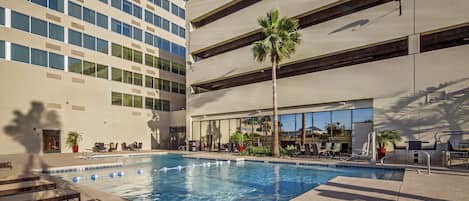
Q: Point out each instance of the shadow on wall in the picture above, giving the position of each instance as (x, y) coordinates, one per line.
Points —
(355, 25)
(154, 125)
(26, 130)
(442, 107)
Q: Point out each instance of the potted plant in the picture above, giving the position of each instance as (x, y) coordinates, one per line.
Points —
(73, 139)
(385, 137)
(238, 138)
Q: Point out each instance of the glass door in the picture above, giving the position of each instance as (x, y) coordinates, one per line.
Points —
(51, 141)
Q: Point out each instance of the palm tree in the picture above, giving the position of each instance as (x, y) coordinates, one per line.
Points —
(281, 39)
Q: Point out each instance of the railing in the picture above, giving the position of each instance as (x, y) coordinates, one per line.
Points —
(428, 161)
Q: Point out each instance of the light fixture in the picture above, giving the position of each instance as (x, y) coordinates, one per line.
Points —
(343, 103)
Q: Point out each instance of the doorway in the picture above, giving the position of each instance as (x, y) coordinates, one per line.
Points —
(51, 141)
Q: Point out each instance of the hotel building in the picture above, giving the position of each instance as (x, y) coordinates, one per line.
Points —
(111, 70)
(362, 65)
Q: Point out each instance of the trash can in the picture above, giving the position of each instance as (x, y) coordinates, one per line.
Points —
(192, 145)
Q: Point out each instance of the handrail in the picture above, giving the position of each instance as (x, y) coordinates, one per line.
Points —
(428, 160)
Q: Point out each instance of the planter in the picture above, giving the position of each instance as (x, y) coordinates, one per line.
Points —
(381, 152)
(241, 148)
(75, 148)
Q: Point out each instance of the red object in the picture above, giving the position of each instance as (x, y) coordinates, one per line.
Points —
(381, 152)
(75, 148)
(241, 148)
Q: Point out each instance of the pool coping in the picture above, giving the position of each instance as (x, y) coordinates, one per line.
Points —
(125, 155)
(76, 168)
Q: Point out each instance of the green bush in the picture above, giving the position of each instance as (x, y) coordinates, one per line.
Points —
(288, 151)
(257, 151)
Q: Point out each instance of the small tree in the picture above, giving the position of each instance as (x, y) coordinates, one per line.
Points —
(385, 137)
(73, 139)
(281, 39)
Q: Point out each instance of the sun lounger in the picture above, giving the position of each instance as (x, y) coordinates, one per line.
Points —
(26, 186)
(6, 165)
(18, 178)
(55, 194)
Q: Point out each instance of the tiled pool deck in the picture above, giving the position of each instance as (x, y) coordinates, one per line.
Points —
(443, 184)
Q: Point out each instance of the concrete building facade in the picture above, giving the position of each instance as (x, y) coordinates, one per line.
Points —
(362, 66)
(111, 70)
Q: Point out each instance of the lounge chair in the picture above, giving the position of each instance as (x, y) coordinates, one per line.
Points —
(26, 186)
(315, 151)
(6, 165)
(298, 150)
(18, 178)
(336, 148)
(139, 146)
(55, 194)
(307, 150)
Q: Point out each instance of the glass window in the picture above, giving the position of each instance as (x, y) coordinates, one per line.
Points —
(165, 24)
(128, 100)
(57, 5)
(137, 34)
(104, 1)
(38, 57)
(165, 45)
(19, 21)
(40, 2)
(182, 32)
(174, 9)
(101, 20)
(174, 87)
(137, 56)
(89, 15)
(74, 37)
(102, 71)
(175, 68)
(75, 65)
(89, 42)
(19, 53)
(157, 20)
(127, 7)
(148, 81)
(101, 46)
(38, 27)
(156, 62)
(341, 123)
(138, 102)
(148, 17)
(287, 124)
(127, 77)
(166, 85)
(56, 32)
(116, 98)
(182, 70)
(165, 4)
(2, 49)
(165, 105)
(148, 38)
(89, 68)
(148, 60)
(116, 50)
(2, 16)
(127, 53)
(137, 11)
(309, 123)
(138, 79)
(116, 4)
(74, 10)
(158, 104)
(149, 103)
(116, 26)
(157, 2)
(321, 121)
(182, 13)
(56, 61)
(157, 84)
(174, 29)
(116, 74)
(126, 30)
(165, 64)
(182, 88)
(362, 115)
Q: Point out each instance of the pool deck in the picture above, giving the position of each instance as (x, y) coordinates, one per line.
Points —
(443, 184)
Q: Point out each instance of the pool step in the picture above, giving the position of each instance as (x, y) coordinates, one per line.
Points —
(26, 186)
(18, 178)
(56, 194)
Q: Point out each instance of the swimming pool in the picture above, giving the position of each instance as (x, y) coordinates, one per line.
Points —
(173, 177)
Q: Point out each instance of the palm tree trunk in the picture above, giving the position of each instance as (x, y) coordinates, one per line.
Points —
(303, 130)
(276, 150)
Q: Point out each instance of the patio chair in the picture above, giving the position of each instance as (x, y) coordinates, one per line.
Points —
(6, 165)
(336, 148)
(298, 150)
(115, 146)
(99, 147)
(315, 151)
(124, 146)
(307, 150)
(140, 145)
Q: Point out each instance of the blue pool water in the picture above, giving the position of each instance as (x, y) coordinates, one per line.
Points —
(225, 181)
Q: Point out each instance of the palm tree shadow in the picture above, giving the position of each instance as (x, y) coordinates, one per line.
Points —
(25, 128)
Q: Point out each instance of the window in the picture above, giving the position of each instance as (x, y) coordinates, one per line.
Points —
(2, 16)
(158, 104)
(165, 24)
(182, 32)
(137, 11)
(116, 26)
(165, 105)
(116, 50)
(56, 61)
(40, 2)
(102, 71)
(128, 100)
(148, 60)
(137, 34)
(89, 68)
(2, 49)
(182, 70)
(116, 74)
(341, 123)
(89, 42)
(148, 38)
(165, 64)
(126, 30)
(75, 65)
(166, 85)
(127, 7)
(175, 87)
(74, 37)
(101, 46)
(19, 53)
(116, 98)
(148, 81)
(174, 29)
(38, 57)
(157, 20)
(165, 4)
(182, 13)
(101, 20)
(127, 53)
(137, 79)
(89, 15)
(116, 4)
(321, 122)
(182, 88)
(157, 2)
(175, 68)
(38, 27)
(137, 56)
(174, 9)
(19, 21)
(149, 103)
(138, 102)
(57, 5)
(74, 10)
(148, 17)
(104, 1)
(362, 115)
(56, 32)
(127, 77)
